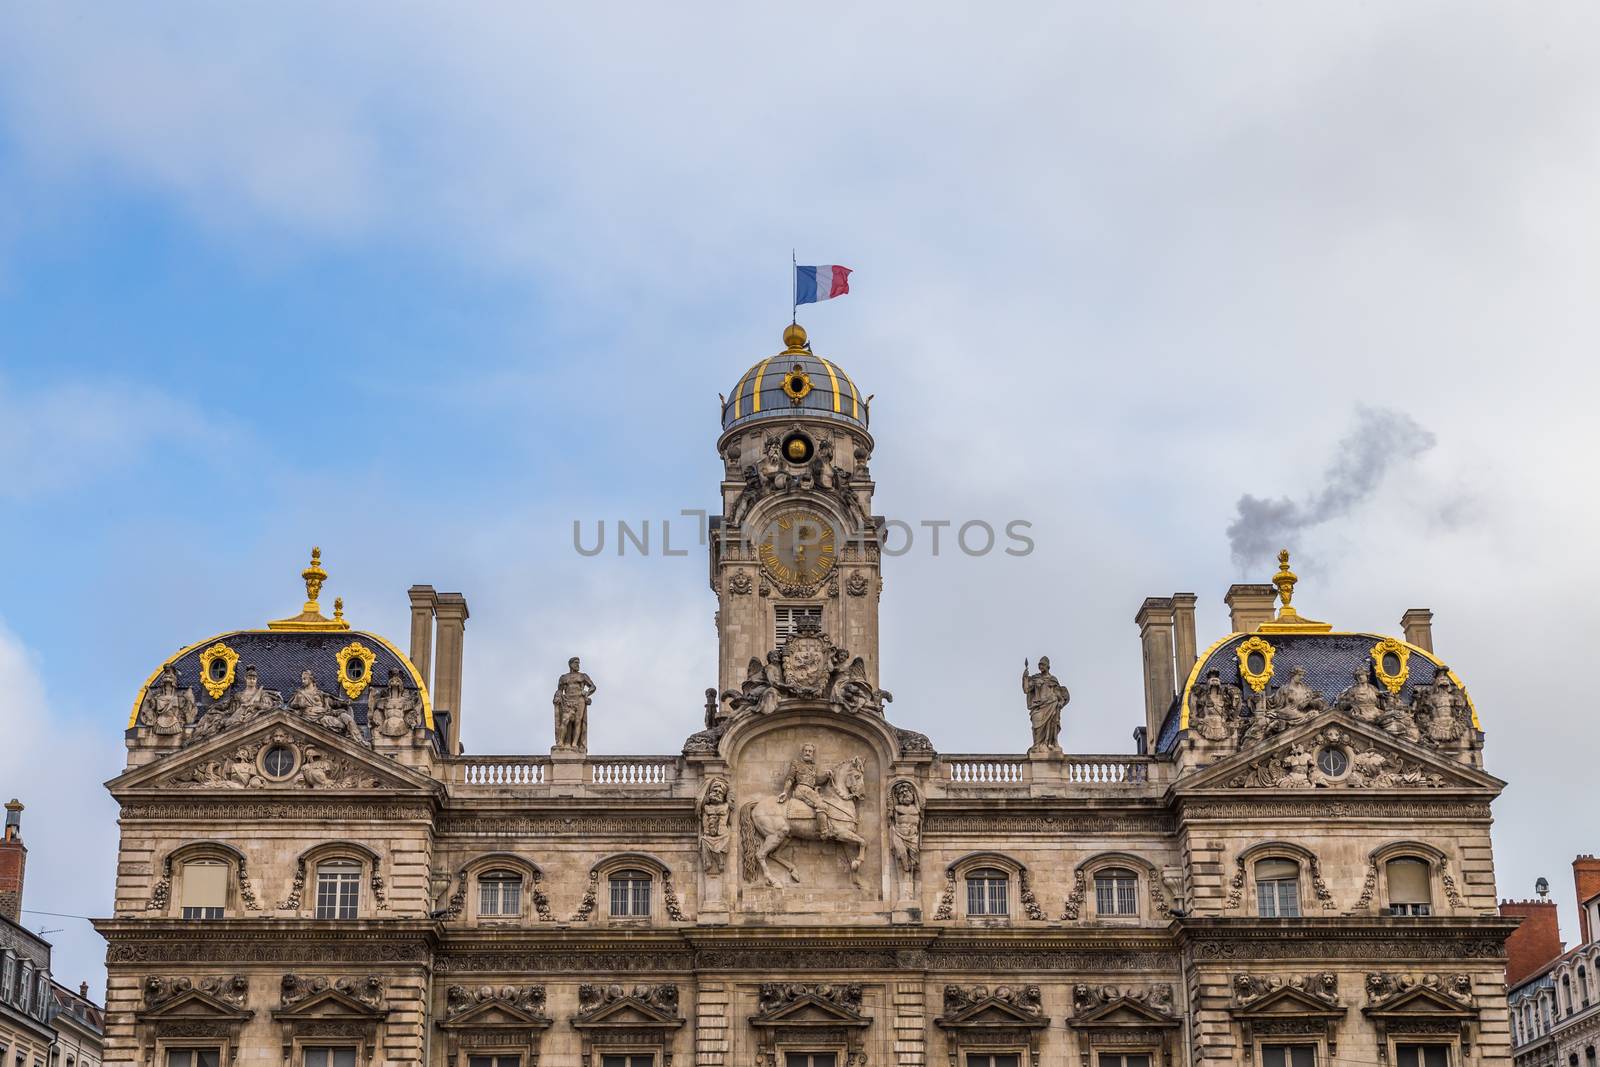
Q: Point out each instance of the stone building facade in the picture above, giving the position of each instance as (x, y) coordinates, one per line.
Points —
(1293, 868)
(1555, 1005)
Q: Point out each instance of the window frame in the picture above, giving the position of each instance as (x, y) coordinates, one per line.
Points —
(493, 1057)
(1114, 872)
(985, 873)
(302, 1048)
(348, 866)
(632, 874)
(1150, 1054)
(165, 1049)
(1279, 883)
(206, 859)
(1451, 1059)
(1317, 1058)
(500, 877)
(1430, 868)
(987, 1053)
(839, 1053)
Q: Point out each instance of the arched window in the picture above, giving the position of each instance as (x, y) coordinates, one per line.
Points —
(204, 893)
(338, 889)
(1409, 892)
(1583, 984)
(499, 895)
(988, 892)
(1566, 994)
(1116, 892)
(1277, 888)
(630, 894)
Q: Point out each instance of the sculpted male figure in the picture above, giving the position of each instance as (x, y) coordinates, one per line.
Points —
(801, 782)
(1436, 709)
(714, 826)
(571, 702)
(168, 709)
(905, 826)
(391, 710)
(1046, 697)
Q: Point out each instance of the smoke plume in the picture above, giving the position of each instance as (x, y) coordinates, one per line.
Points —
(1379, 440)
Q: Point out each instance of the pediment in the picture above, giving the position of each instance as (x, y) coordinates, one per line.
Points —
(1421, 1002)
(626, 1012)
(809, 1010)
(1123, 1012)
(329, 1004)
(495, 1015)
(993, 1012)
(1288, 1002)
(1375, 760)
(195, 1005)
(231, 762)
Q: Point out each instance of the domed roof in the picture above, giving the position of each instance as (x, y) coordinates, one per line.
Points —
(344, 663)
(794, 382)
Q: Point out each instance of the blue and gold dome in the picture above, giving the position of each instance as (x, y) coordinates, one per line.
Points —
(794, 382)
(348, 664)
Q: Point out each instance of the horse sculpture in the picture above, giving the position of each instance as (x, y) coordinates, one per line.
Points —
(766, 824)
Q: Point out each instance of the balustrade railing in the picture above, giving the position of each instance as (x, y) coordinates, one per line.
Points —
(986, 770)
(501, 770)
(1108, 770)
(633, 770)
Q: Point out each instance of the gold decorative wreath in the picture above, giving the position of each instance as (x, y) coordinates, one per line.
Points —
(797, 383)
(355, 650)
(217, 686)
(1388, 645)
(1256, 680)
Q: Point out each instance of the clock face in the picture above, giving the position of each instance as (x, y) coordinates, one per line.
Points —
(798, 548)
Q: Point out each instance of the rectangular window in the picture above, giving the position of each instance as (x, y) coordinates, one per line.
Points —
(338, 892)
(192, 1057)
(498, 1061)
(1288, 1056)
(635, 1059)
(787, 619)
(993, 1059)
(322, 1056)
(500, 897)
(205, 890)
(1422, 1056)
(988, 895)
(810, 1059)
(630, 895)
(1141, 1059)
(1278, 899)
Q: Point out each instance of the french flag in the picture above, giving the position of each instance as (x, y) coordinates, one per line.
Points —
(820, 283)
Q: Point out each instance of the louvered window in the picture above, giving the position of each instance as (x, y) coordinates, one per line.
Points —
(787, 619)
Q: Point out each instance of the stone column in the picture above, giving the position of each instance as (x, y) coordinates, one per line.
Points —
(1249, 606)
(452, 613)
(1185, 649)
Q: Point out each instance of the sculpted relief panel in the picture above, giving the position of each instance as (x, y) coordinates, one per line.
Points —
(810, 820)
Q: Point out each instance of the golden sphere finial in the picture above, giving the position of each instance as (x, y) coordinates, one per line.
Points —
(794, 337)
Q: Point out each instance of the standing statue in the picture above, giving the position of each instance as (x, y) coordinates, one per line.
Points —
(1440, 711)
(1046, 697)
(1215, 709)
(571, 702)
(752, 492)
(166, 708)
(806, 811)
(905, 825)
(716, 823)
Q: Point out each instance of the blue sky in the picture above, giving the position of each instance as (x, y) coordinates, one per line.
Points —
(424, 287)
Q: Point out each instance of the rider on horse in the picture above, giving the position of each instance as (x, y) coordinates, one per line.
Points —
(802, 781)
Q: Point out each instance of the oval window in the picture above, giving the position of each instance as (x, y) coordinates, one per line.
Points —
(278, 761)
(354, 668)
(1257, 662)
(1391, 664)
(1333, 762)
(219, 669)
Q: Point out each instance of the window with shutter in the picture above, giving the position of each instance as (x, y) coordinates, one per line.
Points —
(786, 618)
(1278, 889)
(205, 889)
(1408, 886)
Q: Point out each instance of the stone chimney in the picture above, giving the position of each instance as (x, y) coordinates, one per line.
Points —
(1160, 686)
(1183, 640)
(1586, 880)
(1533, 944)
(1249, 606)
(1417, 625)
(13, 863)
(423, 603)
(451, 609)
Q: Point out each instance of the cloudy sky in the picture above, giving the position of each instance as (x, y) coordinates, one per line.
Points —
(424, 286)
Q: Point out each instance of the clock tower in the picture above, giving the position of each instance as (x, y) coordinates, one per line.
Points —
(796, 543)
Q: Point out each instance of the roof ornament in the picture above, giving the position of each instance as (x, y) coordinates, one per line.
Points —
(1290, 621)
(311, 617)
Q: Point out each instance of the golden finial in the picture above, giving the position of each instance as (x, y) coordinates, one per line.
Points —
(314, 576)
(794, 339)
(1284, 580)
(311, 617)
(1290, 621)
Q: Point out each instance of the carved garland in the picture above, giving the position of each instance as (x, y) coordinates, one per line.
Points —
(947, 899)
(297, 888)
(1319, 885)
(1030, 903)
(669, 897)
(590, 896)
(1080, 889)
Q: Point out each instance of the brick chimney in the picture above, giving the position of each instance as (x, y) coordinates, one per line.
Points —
(1533, 944)
(13, 863)
(1155, 624)
(1417, 625)
(423, 603)
(451, 609)
(1586, 880)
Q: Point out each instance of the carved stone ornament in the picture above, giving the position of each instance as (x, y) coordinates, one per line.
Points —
(494, 1018)
(715, 809)
(905, 805)
(310, 767)
(354, 680)
(814, 803)
(857, 584)
(529, 1000)
(1088, 999)
(230, 989)
(322, 1007)
(325, 710)
(1422, 1005)
(1276, 1005)
(366, 990)
(217, 665)
(1367, 767)
(1216, 710)
(1046, 697)
(808, 667)
(981, 1016)
(609, 1015)
(740, 583)
(242, 706)
(210, 1007)
(571, 701)
(913, 743)
(394, 711)
(1026, 999)
(809, 1013)
(1388, 987)
(1323, 986)
(166, 709)
(1255, 662)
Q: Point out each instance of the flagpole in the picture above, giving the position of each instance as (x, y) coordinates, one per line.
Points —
(794, 289)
